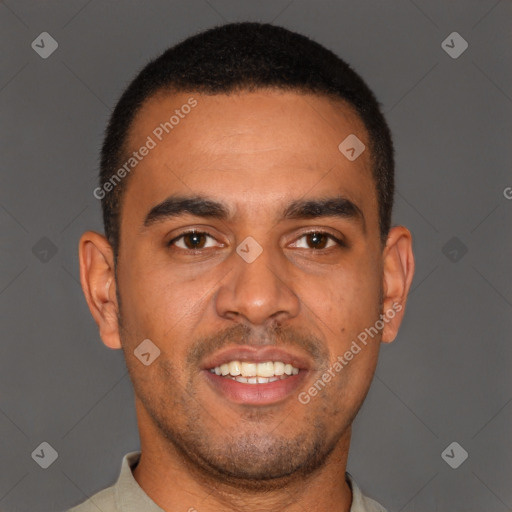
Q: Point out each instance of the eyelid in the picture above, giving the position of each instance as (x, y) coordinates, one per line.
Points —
(191, 231)
(321, 231)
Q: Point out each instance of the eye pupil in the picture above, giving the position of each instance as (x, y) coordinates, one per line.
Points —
(316, 240)
(195, 237)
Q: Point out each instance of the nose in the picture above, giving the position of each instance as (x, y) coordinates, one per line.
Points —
(257, 293)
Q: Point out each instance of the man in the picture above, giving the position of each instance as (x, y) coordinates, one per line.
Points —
(249, 272)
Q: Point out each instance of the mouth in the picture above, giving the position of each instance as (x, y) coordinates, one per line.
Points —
(255, 376)
(249, 372)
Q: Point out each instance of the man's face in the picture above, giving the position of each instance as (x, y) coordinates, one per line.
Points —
(203, 303)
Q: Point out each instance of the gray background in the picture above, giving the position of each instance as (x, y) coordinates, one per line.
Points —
(447, 376)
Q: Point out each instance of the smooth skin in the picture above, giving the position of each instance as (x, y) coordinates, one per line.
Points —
(256, 152)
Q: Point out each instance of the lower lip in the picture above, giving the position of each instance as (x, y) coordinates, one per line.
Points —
(255, 394)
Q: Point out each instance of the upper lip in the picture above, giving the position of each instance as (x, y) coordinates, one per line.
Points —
(256, 355)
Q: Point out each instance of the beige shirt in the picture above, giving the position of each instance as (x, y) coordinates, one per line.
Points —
(127, 496)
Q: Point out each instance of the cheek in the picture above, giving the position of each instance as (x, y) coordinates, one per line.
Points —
(167, 307)
(154, 289)
(346, 301)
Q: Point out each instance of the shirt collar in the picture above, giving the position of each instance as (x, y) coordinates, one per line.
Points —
(360, 502)
(130, 497)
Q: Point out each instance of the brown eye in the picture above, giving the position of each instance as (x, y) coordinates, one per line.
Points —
(318, 240)
(194, 240)
(191, 240)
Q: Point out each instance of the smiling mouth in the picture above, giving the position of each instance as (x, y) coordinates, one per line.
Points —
(248, 372)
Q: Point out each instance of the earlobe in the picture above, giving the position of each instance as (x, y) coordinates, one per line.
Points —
(97, 276)
(398, 264)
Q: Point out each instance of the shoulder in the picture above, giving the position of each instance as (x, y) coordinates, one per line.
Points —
(103, 500)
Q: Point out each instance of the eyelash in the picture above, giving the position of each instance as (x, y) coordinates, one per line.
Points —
(339, 242)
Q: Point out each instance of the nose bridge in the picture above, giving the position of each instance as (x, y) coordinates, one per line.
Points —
(257, 290)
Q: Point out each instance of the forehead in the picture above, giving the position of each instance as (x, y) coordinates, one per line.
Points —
(250, 149)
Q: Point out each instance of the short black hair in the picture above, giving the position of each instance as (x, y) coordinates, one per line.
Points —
(246, 56)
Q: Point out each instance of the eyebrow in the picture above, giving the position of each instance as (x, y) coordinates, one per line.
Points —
(337, 207)
(176, 206)
(201, 206)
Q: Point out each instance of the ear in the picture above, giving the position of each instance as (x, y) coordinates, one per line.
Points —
(398, 266)
(97, 275)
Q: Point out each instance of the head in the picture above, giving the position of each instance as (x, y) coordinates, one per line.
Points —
(293, 255)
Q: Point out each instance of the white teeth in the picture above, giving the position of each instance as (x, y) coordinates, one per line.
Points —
(265, 369)
(234, 368)
(278, 368)
(256, 380)
(249, 369)
(253, 373)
